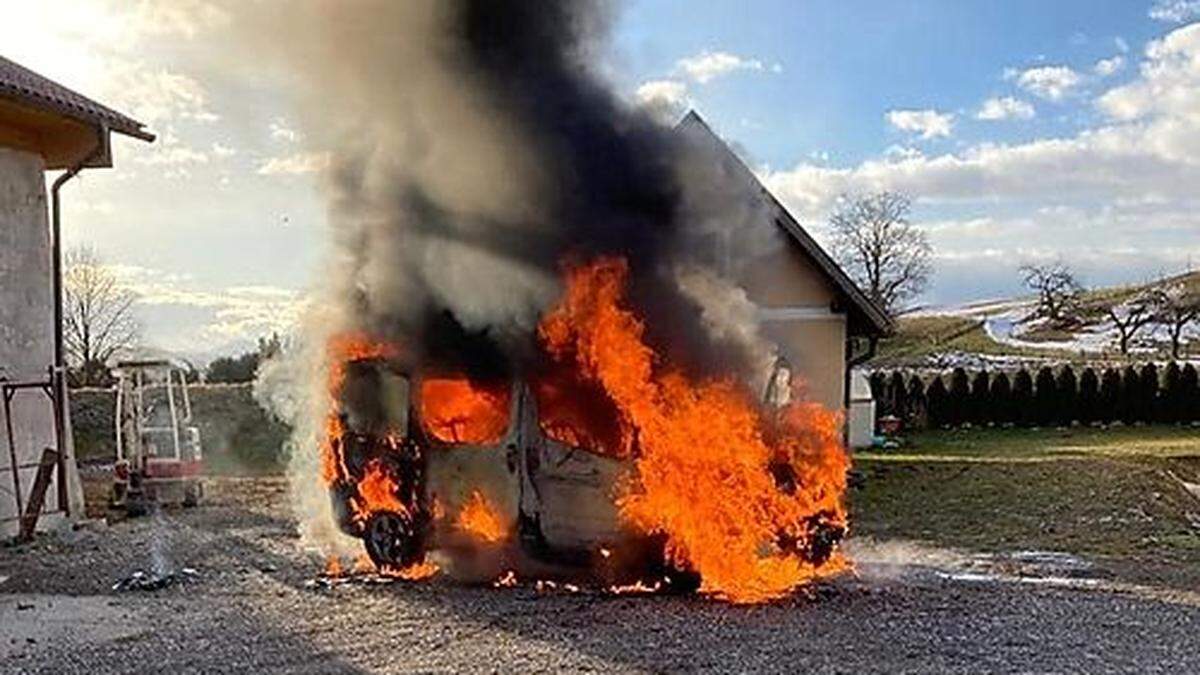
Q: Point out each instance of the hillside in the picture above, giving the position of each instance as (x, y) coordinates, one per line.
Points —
(1006, 332)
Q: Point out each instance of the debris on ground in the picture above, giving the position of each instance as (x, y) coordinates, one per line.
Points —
(153, 581)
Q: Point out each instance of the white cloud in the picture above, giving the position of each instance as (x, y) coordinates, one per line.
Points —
(927, 123)
(1106, 67)
(1119, 197)
(1175, 11)
(156, 96)
(221, 150)
(1121, 44)
(99, 48)
(1169, 82)
(184, 18)
(1005, 108)
(170, 151)
(301, 163)
(1049, 82)
(665, 99)
(221, 315)
(282, 131)
(672, 92)
(710, 65)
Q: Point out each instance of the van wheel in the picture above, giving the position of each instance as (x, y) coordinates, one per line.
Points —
(391, 540)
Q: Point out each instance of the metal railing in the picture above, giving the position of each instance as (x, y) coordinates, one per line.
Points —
(49, 387)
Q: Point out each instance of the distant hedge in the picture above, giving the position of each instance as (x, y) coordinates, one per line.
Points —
(237, 435)
(1048, 397)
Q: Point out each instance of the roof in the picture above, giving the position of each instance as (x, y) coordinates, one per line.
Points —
(22, 85)
(876, 319)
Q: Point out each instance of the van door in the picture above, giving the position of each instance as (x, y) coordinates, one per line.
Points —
(569, 492)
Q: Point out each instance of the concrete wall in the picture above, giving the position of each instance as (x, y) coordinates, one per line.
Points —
(26, 326)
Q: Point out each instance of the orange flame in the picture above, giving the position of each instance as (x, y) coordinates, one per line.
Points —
(578, 414)
(456, 410)
(415, 572)
(478, 518)
(706, 454)
(340, 350)
(376, 492)
(333, 567)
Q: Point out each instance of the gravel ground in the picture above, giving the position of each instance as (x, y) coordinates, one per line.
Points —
(250, 609)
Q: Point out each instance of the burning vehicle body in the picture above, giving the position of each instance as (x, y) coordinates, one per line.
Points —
(592, 461)
(557, 329)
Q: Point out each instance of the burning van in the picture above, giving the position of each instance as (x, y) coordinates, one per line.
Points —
(628, 474)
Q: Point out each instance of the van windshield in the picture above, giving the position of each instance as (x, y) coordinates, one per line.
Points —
(457, 410)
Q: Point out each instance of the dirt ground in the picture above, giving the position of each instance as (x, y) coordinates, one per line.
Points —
(252, 607)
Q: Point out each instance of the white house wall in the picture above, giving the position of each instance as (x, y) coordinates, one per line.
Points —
(26, 327)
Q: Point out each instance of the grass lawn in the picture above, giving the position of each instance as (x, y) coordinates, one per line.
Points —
(1108, 495)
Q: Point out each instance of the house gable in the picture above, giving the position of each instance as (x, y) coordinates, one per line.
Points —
(794, 275)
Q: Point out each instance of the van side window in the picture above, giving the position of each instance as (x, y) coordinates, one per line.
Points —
(457, 410)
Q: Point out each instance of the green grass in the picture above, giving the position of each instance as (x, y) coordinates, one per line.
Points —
(1103, 494)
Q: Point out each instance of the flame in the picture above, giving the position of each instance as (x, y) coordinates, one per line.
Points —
(478, 518)
(377, 492)
(340, 350)
(415, 572)
(333, 567)
(506, 580)
(708, 459)
(363, 564)
(579, 414)
(457, 410)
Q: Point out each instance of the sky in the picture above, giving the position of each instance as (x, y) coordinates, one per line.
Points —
(1024, 130)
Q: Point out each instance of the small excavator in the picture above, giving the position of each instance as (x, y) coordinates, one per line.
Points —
(159, 458)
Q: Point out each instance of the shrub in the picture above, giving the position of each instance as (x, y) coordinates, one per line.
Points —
(1087, 403)
(958, 403)
(980, 410)
(1110, 396)
(1131, 389)
(1190, 395)
(879, 383)
(935, 399)
(1150, 407)
(897, 394)
(1000, 399)
(1068, 396)
(1045, 397)
(918, 411)
(1022, 398)
(1172, 402)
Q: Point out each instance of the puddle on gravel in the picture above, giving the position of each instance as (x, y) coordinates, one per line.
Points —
(907, 560)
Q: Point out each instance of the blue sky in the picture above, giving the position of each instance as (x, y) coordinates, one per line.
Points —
(845, 63)
(1025, 130)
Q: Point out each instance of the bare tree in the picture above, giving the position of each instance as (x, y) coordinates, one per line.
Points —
(1057, 289)
(1176, 304)
(1130, 316)
(98, 315)
(888, 256)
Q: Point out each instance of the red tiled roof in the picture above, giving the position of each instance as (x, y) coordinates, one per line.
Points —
(22, 85)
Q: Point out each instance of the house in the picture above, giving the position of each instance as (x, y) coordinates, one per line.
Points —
(821, 321)
(43, 127)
